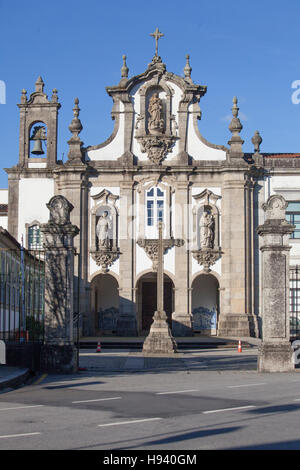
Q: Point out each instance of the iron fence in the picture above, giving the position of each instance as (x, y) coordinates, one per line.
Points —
(22, 285)
(295, 301)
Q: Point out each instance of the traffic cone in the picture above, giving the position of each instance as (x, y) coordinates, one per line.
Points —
(240, 347)
(98, 350)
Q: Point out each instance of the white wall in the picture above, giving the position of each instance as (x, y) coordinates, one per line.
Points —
(34, 194)
(115, 148)
(3, 196)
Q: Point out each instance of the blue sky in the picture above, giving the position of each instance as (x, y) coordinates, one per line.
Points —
(242, 48)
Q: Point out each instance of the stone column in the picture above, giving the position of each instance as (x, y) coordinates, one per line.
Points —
(181, 318)
(160, 339)
(275, 352)
(58, 352)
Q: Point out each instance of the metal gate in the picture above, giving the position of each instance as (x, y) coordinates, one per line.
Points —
(22, 285)
(295, 301)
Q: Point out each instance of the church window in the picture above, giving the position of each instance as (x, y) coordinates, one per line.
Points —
(35, 238)
(155, 207)
(293, 217)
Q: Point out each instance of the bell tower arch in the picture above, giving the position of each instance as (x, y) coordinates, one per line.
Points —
(38, 125)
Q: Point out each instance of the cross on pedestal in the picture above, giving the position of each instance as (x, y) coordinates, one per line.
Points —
(156, 35)
(160, 339)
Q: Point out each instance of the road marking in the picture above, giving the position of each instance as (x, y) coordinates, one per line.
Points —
(179, 391)
(97, 399)
(20, 407)
(246, 385)
(129, 422)
(20, 435)
(228, 409)
(40, 379)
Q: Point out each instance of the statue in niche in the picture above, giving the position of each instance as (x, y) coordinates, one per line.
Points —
(156, 123)
(103, 231)
(207, 230)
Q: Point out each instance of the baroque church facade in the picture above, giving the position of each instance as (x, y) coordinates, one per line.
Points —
(155, 167)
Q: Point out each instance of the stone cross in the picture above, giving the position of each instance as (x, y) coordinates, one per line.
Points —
(160, 339)
(156, 35)
(160, 270)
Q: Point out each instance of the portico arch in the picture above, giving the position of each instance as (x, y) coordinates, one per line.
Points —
(104, 304)
(205, 303)
(146, 300)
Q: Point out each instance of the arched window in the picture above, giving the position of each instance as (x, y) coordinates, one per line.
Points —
(35, 238)
(155, 205)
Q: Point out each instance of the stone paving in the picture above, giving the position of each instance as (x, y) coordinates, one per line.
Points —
(132, 361)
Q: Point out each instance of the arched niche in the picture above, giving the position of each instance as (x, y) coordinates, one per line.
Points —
(206, 202)
(165, 93)
(104, 202)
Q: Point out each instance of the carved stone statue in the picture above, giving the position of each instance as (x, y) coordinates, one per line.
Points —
(156, 123)
(207, 233)
(102, 230)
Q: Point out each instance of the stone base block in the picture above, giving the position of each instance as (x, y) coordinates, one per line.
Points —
(160, 339)
(182, 325)
(126, 326)
(275, 357)
(59, 359)
(236, 325)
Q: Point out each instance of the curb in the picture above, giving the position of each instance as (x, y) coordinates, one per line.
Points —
(14, 381)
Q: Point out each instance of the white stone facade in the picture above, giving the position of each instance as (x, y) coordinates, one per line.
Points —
(156, 166)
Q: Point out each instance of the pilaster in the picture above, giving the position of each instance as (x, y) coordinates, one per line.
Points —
(181, 318)
(127, 324)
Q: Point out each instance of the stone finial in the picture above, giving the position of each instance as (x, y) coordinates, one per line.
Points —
(275, 207)
(54, 98)
(256, 141)
(39, 85)
(75, 144)
(76, 126)
(24, 96)
(60, 209)
(235, 128)
(124, 69)
(187, 69)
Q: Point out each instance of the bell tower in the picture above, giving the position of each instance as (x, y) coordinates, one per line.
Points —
(38, 128)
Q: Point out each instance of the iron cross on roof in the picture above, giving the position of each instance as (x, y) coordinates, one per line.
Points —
(156, 35)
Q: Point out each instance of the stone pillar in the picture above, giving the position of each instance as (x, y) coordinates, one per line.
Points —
(160, 339)
(234, 319)
(275, 352)
(126, 325)
(181, 318)
(58, 352)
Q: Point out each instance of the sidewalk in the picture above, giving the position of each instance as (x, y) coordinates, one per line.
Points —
(12, 376)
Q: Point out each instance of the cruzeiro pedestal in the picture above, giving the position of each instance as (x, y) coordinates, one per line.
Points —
(160, 339)
(275, 352)
(58, 351)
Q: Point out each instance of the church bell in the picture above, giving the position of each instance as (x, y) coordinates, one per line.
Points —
(38, 148)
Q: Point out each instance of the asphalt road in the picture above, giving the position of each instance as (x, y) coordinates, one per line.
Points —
(187, 409)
